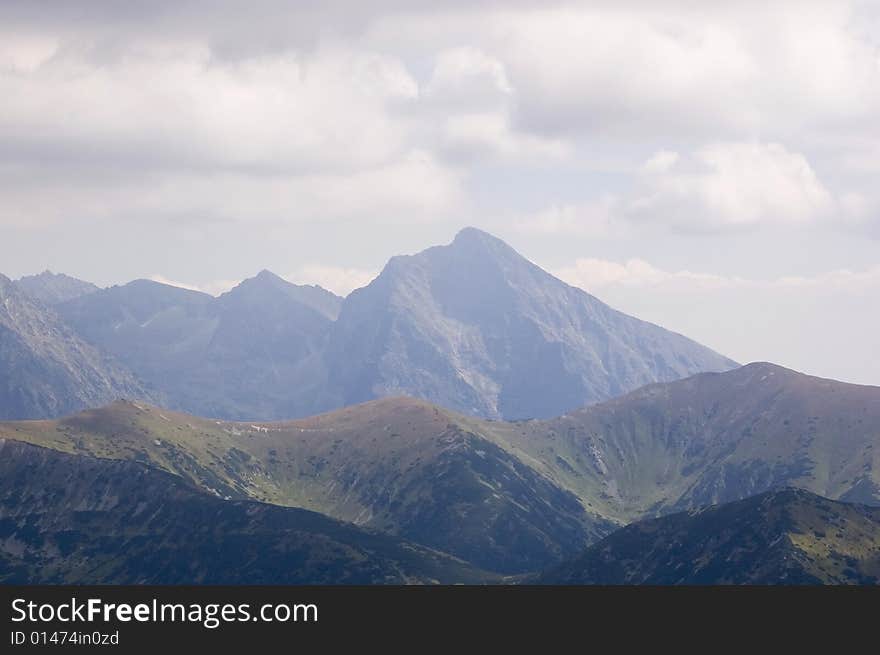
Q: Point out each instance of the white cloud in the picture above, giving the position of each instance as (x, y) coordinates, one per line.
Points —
(467, 78)
(734, 69)
(718, 187)
(174, 105)
(598, 274)
(165, 129)
(732, 185)
(660, 162)
(597, 219)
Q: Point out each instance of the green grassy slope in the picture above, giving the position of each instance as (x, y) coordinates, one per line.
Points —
(399, 465)
(709, 439)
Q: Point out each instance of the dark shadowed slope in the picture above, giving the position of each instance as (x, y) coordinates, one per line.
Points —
(46, 369)
(787, 536)
(74, 519)
(476, 327)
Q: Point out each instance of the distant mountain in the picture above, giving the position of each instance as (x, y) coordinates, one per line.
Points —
(711, 438)
(74, 520)
(472, 326)
(476, 327)
(252, 352)
(268, 288)
(46, 369)
(52, 288)
(786, 536)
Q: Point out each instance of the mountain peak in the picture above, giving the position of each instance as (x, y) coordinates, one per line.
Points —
(477, 327)
(53, 288)
(471, 234)
(266, 286)
(266, 274)
(473, 239)
(265, 279)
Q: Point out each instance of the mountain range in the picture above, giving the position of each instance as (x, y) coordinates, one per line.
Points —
(512, 497)
(472, 326)
(464, 418)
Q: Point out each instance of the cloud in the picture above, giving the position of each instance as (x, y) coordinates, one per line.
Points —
(715, 189)
(490, 134)
(101, 103)
(731, 185)
(414, 188)
(598, 274)
(469, 95)
(173, 105)
(637, 69)
(599, 218)
(163, 128)
(660, 162)
(467, 78)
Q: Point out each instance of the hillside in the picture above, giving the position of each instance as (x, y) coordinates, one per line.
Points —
(73, 520)
(786, 536)
(712, 438)
(398, 465)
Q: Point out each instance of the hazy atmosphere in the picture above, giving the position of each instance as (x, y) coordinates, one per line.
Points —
(710, 167)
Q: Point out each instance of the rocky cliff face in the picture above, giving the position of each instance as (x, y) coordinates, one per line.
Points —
(46, 369)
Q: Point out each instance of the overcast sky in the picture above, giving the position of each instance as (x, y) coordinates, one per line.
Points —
(710, 166)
